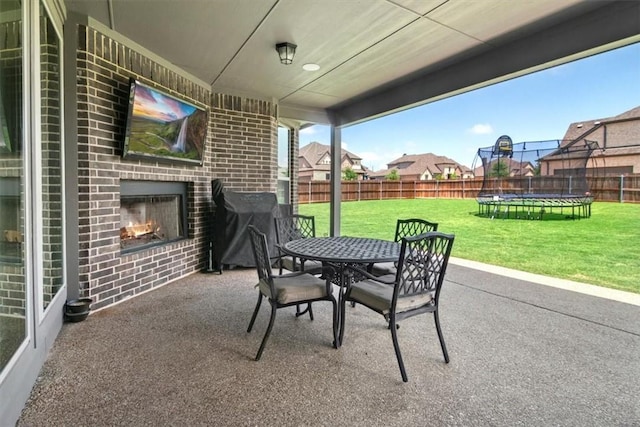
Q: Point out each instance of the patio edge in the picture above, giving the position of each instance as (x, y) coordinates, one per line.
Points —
(583, 288)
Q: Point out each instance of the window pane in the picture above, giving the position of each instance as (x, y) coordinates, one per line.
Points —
(51, 159)
(283, 165)
(12, 189)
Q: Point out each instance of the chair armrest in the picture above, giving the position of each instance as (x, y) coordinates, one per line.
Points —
(293, 274)
(366, 275)
(324, 270)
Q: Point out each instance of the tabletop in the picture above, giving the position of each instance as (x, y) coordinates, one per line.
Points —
(343, 249)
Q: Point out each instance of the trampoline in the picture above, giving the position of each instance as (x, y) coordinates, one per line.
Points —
(530, 179)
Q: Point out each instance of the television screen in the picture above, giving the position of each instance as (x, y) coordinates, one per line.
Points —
(163, 128)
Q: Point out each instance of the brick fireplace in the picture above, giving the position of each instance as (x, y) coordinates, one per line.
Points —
(241, 150)
(152, 213)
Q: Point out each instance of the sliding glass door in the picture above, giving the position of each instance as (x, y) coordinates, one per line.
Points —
(13, 194)
(32, 246)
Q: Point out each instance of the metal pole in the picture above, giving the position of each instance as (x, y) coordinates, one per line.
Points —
(570, 184)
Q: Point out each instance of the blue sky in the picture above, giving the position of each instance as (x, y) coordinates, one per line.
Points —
(535, 107)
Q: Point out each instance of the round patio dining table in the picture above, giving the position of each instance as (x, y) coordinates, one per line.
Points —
(340, 252)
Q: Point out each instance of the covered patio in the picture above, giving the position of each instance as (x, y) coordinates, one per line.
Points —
(523, 352)
(180, 354)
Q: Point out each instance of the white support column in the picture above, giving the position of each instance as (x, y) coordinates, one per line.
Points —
(336, 181)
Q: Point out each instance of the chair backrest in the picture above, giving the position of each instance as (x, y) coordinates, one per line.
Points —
(293, 227)
(413, 227)
(261, 254)
(422, 265)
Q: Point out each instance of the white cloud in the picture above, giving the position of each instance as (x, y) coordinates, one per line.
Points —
(377, 161)
(411, 147)
(308, 131)
(481, 129)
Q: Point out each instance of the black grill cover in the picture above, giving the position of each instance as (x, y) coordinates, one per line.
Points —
(234, 212)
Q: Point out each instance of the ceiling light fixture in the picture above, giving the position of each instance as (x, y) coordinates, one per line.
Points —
(286, 51)
(311, 67)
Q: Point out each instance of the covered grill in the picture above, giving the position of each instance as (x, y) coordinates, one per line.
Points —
(234, 212)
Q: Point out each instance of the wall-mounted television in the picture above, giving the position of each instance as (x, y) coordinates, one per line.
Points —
(161, 127)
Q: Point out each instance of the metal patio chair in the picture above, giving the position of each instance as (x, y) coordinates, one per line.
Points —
(292, 227)
(286, 290)
(404, 228)
(414, 290)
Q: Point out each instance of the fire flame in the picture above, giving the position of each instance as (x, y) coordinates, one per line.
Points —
(132, 231)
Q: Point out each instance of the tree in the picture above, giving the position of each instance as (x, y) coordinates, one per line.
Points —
(348, 174)
(499, 170)
(393, 175)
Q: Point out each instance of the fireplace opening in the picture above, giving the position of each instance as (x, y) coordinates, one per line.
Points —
(152, 213)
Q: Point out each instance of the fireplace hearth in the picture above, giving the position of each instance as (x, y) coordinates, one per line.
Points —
(152, 213)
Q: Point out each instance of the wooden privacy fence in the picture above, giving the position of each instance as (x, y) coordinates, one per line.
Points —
(604, 189)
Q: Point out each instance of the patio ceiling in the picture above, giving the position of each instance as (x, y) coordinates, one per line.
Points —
(375, 56)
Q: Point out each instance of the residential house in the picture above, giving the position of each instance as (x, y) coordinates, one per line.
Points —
(420, 167)
(618, 150)
(314, 160)
(514, 167)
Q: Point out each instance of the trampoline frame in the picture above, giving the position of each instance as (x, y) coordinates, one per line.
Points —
(533, 206)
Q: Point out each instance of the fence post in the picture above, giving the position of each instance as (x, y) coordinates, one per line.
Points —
(359, 190)
(415, 189)
(437, 188)
(621, 188)
(530, 185)
(463, 187)
(401, 189)
(309, 191)
(381, 189)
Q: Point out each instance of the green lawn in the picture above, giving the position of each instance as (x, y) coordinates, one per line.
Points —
(601, 250)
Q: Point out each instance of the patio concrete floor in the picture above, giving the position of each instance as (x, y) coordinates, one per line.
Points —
(522, 353)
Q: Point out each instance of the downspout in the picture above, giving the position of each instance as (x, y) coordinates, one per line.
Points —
(112, 24)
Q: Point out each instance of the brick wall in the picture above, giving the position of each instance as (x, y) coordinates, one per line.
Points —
(241, 150)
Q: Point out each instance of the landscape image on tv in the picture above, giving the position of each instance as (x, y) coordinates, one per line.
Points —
(162, 127)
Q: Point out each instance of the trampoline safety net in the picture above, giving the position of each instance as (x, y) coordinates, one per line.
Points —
(529, 179)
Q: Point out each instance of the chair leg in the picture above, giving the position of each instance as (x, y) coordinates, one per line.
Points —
(255, 312)
(308, 309)
(268, 332)
(440, 337)
(396, 347)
